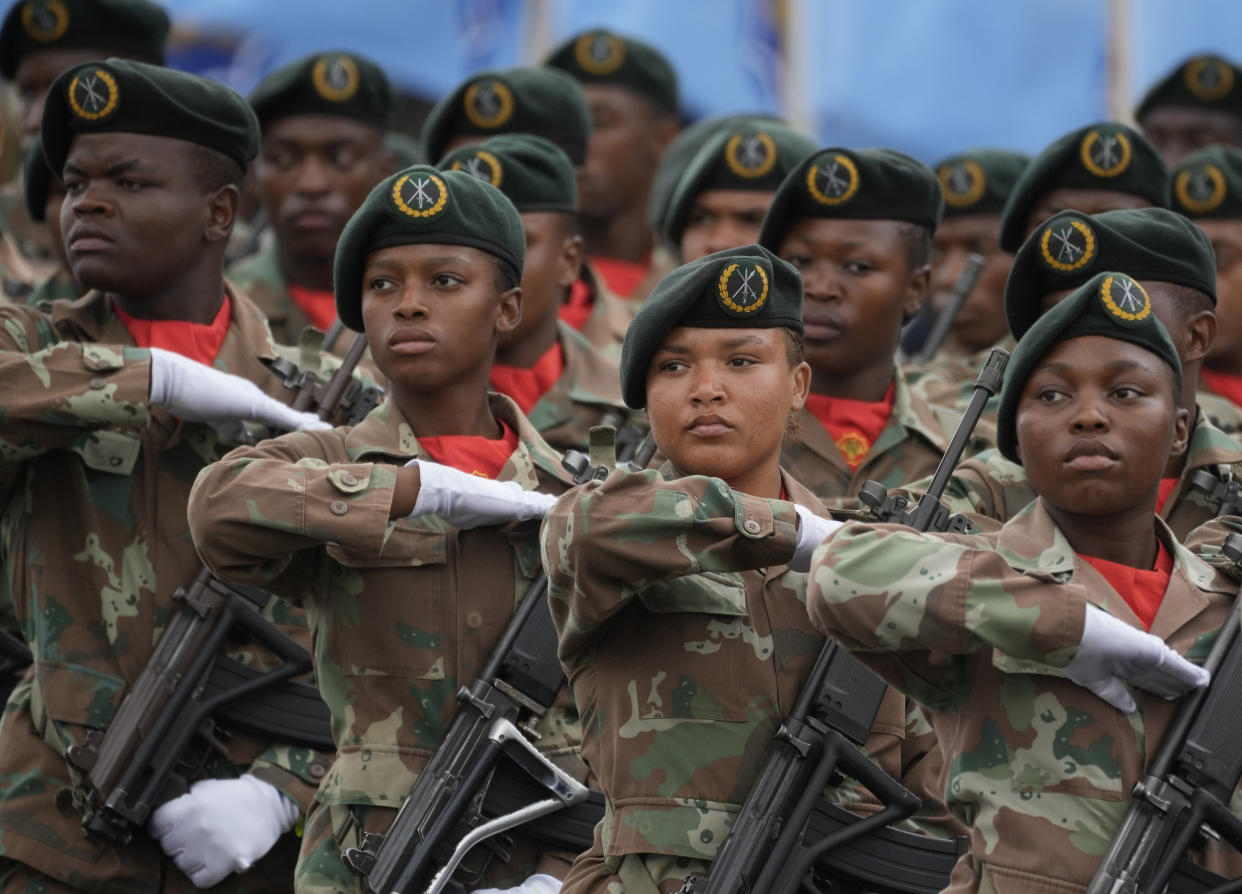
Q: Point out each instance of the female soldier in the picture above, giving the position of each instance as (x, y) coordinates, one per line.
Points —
(403, 610)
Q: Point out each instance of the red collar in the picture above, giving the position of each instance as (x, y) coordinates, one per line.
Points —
(1226, 385)
(527, 386)
(854, 424)
(1142, 589)
(194, 340)
(319, 306)
(474, 454)
(622, 277)
(578, 307)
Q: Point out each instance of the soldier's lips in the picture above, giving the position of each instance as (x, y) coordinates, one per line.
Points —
(821, 329)
(87, 241)
(1090, 455)
(411, 341)
(709, 426)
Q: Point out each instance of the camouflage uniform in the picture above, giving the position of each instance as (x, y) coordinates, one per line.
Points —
(94, 484)
(260, 277)
(977, 628)
(588, 390)
(57, 287)
(992, 490)
(402, 612)
(610, 314)
(678, 710)
(1224, 413)
(16, 277)
(908, 448)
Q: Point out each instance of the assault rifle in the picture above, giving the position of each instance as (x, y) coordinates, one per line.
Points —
(189, 689)
(466, 795)
(1188, 785)
(1222, 493)
(785, 830)
(962, 288)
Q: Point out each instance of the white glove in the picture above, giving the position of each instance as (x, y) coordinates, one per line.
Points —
(222, 826)
(812, 529)
(196, 392)
(536, 884)
(469, 501)
(1112, 653)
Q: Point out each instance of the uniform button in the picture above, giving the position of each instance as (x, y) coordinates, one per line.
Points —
(339, 507)
(348, 479)
(99, 382)
(474, 620)
(316, 770)
(115, 461)
(750, 526)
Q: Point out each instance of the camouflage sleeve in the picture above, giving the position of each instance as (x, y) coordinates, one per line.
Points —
(251, 511)
(604, 543)
(916, 607)
(58, 391)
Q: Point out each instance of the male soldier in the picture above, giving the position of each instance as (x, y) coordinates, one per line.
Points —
(323, 120)
(1172, 259)
(720, 198)
(404, 607)
(38, 40)
(1207, 188)
(102, 434)
(632, 92)
(555, 376)
(857, 224)
(1100, 167)
(44, 194)
(1197, 104)
(975, 185)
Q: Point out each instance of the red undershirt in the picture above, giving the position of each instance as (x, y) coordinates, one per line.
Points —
(1142, 590)
(578, 308)
(853, 424)
(473, 454)
(1226, 385)
(1166, 491)
(621, 276)
(527, 386)
(319, 306)
(198, 341)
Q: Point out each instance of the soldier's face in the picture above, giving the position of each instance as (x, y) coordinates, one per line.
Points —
(858, 287)
(34, 76)
(312, 174)
(433, 314)
(136, 218)
(1088, 201)
(1096, 424)
(628, 136)
(720, 219)
(553, 261)
(1176, 132)
(1226, 236)
(719, 401)
(981, 321)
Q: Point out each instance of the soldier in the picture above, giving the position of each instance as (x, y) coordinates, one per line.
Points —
(1172, 259)
(857, 224)
(1207, 188)
(632, 92)
(684, 646)
(103, 433)
(403, 610)
(558, 380)
(975, 186)
(1100, 167)
(38, 40)
(323, 120)
(720, 198)
(1197, 104)
(1027, 644)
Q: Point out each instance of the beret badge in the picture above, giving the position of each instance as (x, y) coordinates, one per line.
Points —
(742, 287)
(1067, 246)
(483, 165)
(45, 20)
(963, 183)
(489, 103)
(93, 95)
(1200, 189)
(1106, 153)
(599, 52)
(335, 78)
(1208, 78)
(419, 195)
(1124, 299)
(832, 181)
(750, 155)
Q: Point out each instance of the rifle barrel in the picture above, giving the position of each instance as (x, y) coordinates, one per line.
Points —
(962, 288)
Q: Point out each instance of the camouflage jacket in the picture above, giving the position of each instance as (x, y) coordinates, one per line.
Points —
(588, 390)
(678, 710)
(260, 277)
(31, 240)
(1224, 413)
(610, 315)
(908, 448)
(977, 628)
(402, 612)
(991, 489)
(57, 287)
(16, 277)
(93, 490)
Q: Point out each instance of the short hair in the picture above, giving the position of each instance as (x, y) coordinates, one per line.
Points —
(1189, 301)
(795, 346)
(507, 276)
(918, 244)
(215, 170)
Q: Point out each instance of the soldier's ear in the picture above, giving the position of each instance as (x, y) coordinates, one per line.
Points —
(221, 213)
(1181, 432)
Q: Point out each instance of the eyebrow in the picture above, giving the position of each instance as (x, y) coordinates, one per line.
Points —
(121, 167)
(1061, 368)
(732, 344)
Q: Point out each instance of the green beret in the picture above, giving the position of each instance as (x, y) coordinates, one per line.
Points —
(422, 205)
(36, 181)
(339, 84)
(133, 29)
(605, 57)
(543, 101)
(1201, 82)
(535, 174)
(979, 181)
(1109, 304)
(741, 288)
(857, 184)
(753, 155)
(1208, 183)
(121, 96)
(1152, 244)
(1099, 156)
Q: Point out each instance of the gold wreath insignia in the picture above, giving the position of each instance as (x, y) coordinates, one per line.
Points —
(746, 299)
(973, 193)
(1132, 305)
(427, 205)
(92, 105)
(39, 27)
(845, 194)
(326, 73)
(738, 165)
(1209, 92)
(1200, 204)
(493, 173)
(588, 55)
(1066, 256)
(485, 117)
(1107, 169)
